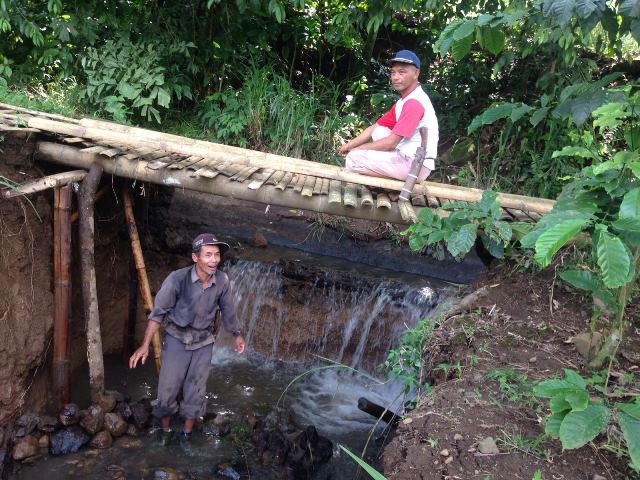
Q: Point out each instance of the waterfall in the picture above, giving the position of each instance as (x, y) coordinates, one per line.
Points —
(293, 319)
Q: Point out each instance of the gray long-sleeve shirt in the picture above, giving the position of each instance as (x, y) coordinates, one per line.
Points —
(187, 307)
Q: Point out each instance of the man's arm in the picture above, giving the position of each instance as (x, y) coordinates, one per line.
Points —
(386, 144)
(361, 139)
(143, 351)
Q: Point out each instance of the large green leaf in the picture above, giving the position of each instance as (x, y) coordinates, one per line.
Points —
(559, 10)
(630, 206)
(582, 279)
(631, 225)
(555, 237)
(573, 151)
(579, 428)
(630, 8)
(630, 427)
(632, 409)
(613, 260)
(553, 387)
(492, 39)
(553, 423)
(462, 240)
(574, 378)
(464, 30)
(586, 8)
(461, 48)
(559, 404)
(579, 400)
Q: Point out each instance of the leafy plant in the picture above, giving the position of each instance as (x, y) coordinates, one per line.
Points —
(515, 386)
(576, 418)
(458, 231)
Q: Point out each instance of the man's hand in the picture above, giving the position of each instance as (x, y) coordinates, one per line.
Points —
(239, 344)
(344, 149)
(140, 354)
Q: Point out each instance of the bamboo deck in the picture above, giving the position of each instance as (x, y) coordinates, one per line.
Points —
(182, 162)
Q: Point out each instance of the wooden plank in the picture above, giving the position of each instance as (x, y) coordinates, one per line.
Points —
(112, 152)
(325, 187)
(335, 191)
(262, 178)
(159, 163)
(382, 201)
(206, 172)
(230, 169)
(276, 177)
(244, 174)
(317, 187)
(418, 200)
(307, 189)
(240, 173)
(186, 162)
(284, 182)
(95, 149)
(156, 154)
(73, 140)
(350, 195)
(366, 199)
(294, 180)
(300, 183)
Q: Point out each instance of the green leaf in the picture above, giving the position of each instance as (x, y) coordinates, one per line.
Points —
(571, 151)
(462, 240)
(553, 423)
(519, 112)
(555, 237)
(630, 8)
(416, 243)
(464, 30)
(492, 39)
(630, 427)
(631, 225)
(539, 115)
(579, 400)
(579, 428)
(574, 378)
(504, 231)
(365, 466)
(613, 260)
(582, 279)
(630, 206)
(632, 409)
(163, 97)
(559, 404)
(559, 10)
(461, 48)
(553, 387)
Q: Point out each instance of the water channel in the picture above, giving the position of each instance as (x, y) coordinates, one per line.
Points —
(291, 327)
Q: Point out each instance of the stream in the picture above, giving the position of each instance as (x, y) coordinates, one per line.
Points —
(354, 325)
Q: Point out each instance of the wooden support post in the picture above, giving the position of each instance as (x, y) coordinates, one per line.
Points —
(143, 281)
(88, 275)
(52, 181)
(62, 292)
(129, 332)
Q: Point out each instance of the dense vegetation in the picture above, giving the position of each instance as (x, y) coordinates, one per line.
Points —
(537, 97)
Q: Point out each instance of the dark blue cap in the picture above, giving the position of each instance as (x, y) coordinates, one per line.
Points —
(406, 56)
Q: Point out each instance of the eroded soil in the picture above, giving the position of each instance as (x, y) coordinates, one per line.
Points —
(483, 365)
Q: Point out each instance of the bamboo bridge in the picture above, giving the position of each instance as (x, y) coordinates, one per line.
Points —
(180, 162)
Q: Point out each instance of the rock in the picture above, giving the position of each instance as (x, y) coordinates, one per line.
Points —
(457, 437)
(139, 415)
(488, 446)
(165, 473)
(448, 460)
(407, 421)
(587, 343)
(227, 472)
(598, 477)
(124, 409)
(132, 430)
(69, 414)
(68, 440)
(128, 442)
(107, 402)
(211, 430)
(26, 424)
(94, 419)
(258, 240)
(115, 424)
(25, 447)
(48, 423)
(101, 440)
(533, 359)
(43, 442)
(444, 453)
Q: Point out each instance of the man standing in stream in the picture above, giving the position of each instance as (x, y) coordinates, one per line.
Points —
(387, 148)
(186, 305)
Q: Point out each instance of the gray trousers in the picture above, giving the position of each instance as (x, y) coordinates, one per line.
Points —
(186, 370)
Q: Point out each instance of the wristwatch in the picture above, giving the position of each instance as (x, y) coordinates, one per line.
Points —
(236, 333)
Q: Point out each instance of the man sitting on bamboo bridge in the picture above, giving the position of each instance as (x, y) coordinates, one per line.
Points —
(186, 305)
(388, 147)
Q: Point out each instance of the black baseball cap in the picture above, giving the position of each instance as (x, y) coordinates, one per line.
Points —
(208, 239)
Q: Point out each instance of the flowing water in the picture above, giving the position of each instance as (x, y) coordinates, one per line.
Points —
(354, 326)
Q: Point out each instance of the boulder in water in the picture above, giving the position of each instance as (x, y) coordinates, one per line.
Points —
(107, 402)
(132, 430)
(43, 442)
(139, 415)
(115, 424)
(26, 424)
(101, 440)
(25, 447)
(124, 409)
(69, 414)
(165, 473)
(48, 423)
(93, 421)
(68, 440)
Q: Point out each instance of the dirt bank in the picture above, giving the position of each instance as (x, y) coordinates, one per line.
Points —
(483, 365)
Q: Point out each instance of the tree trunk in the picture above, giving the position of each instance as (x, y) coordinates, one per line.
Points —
(88, 276)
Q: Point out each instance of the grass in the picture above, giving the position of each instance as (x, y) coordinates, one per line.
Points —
(515, 441)
(515, 387)
(58, 98)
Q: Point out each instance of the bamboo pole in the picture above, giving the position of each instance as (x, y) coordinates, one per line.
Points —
(269, 195)
(62, 292)
(75, 215)
(6, 106)
(143, 280)
(51, 181)
(245, 157)
(89, 290)
(129, 331)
